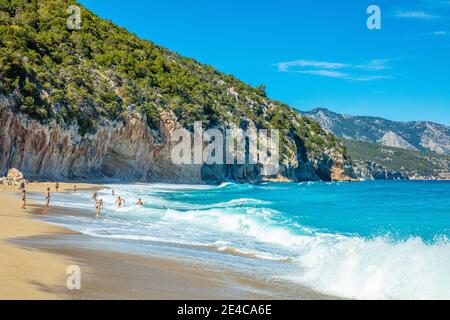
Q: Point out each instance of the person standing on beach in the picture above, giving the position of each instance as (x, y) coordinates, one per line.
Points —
(94, 196)
(120, 202)
(24, 199)
(57, 186)
(47, 199)
(74, 188)
(99, 207)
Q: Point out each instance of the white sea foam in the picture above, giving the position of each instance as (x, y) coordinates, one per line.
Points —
(376, 269)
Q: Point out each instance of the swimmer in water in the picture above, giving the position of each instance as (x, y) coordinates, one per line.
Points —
(120, 202)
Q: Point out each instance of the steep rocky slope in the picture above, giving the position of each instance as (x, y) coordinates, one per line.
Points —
(100, 103)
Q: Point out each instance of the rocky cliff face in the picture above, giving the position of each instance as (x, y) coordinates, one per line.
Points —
(368, 170)
(116, 151)
(129, 151)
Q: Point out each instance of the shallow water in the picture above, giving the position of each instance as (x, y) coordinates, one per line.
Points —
(370, 240)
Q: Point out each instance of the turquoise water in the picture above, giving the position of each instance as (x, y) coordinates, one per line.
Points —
(399, 209)
(369, 240)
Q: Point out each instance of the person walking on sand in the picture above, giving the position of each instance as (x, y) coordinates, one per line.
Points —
(24, 199)
(47, 199)
(120, 202)
(57, 186)
(140, 203)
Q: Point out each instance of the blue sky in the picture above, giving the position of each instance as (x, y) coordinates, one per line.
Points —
(311, 53)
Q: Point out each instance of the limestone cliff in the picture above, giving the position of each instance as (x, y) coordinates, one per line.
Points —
(127, 151)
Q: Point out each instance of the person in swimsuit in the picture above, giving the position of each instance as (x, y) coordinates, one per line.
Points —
(94, 196)
(47, 199)
(99, 207)
(120, 202)
(57, 187)
(140, 203)
(24, 199)
(75, 188)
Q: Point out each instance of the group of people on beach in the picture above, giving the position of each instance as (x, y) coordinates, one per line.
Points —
(120, 202)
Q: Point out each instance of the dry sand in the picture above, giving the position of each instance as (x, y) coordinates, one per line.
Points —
(31, 270)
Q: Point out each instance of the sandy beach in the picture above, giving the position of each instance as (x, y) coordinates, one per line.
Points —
(27, 273)
(33, 264)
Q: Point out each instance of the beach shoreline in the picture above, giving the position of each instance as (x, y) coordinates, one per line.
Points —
(35, 267)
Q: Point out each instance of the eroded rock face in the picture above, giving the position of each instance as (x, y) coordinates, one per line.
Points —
(128, 151)
(125, 151)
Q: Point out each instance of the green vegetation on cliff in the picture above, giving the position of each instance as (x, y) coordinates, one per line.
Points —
(103, 71)
(409, 161)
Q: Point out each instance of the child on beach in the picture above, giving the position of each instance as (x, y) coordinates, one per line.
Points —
(47, 199)
(57, 187)
(24, 199)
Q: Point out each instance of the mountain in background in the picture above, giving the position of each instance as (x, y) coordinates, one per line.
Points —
(414, 135)
(374, 161)
(100, 103)
(384, 149)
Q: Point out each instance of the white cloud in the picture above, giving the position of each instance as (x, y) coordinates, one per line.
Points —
(376, 64)
(369, 78)
(325, 73)
(416, 15)
(284, 66)
(365, 71)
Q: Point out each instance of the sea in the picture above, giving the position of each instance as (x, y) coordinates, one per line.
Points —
(367, 240)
